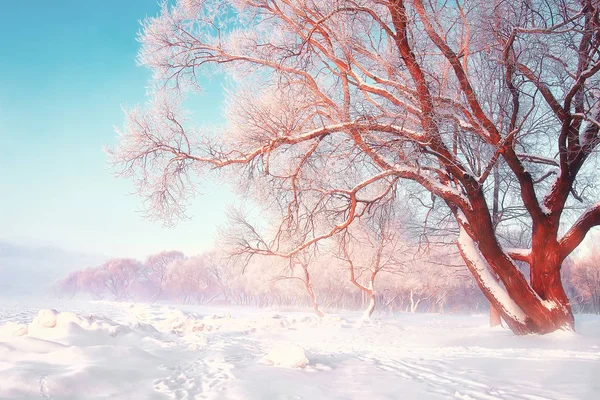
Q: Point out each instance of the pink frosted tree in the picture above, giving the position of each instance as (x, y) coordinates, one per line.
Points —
(190, 281)
(69, 285)
(223, 273)
(155, 271)
(121, 275)
(93, 281)
(369, 248)
(431, 277)
(300, 266)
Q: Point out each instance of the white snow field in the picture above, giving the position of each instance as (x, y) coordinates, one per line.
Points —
(104, 350)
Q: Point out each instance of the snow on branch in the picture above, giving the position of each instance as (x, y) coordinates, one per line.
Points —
(519, 254)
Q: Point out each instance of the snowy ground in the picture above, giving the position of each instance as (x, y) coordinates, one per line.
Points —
(137, 351)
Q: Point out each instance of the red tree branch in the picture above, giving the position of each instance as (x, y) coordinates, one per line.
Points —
(575, 235)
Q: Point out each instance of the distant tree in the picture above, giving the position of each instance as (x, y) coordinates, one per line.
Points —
(368, 249)
(432, 276)
(224, 273)
(69, 285)
(93, 281)
(190, 280)
(120, 276)
(300, 271)
(330, 280)
(156, 267)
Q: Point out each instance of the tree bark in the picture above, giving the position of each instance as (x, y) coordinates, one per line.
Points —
(547, 283)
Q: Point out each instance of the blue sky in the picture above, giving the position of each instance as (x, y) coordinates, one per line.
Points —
(67, 67)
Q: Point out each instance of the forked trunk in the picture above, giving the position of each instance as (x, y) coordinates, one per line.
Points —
(368, 291)
(540, 307)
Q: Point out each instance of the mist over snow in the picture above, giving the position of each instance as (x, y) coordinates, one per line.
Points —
(30, 270)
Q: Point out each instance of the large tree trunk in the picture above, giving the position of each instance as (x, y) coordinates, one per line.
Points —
(547, 283)
(540, 307)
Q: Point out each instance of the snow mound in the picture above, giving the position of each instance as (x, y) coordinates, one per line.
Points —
(64, 318)
(46, 318)
(286, 355)
(168, 319)
(116, 351)
(13, 329)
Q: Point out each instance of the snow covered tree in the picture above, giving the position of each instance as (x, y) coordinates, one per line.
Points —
(241, 238)
(330, 281)
(368, 249)
(93, 281)
(223, 273)
(189, 280)
(299, 267)
(333, 103)
(68, 285)
(120, 274)
(156, 267)
(431, 277)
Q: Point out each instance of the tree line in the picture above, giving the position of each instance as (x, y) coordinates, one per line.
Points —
(322, 282)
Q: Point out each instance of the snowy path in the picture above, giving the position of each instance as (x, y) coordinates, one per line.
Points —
(210, 371)
(125, 351)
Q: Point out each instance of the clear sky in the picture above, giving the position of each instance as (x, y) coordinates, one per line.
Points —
(66, 69)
